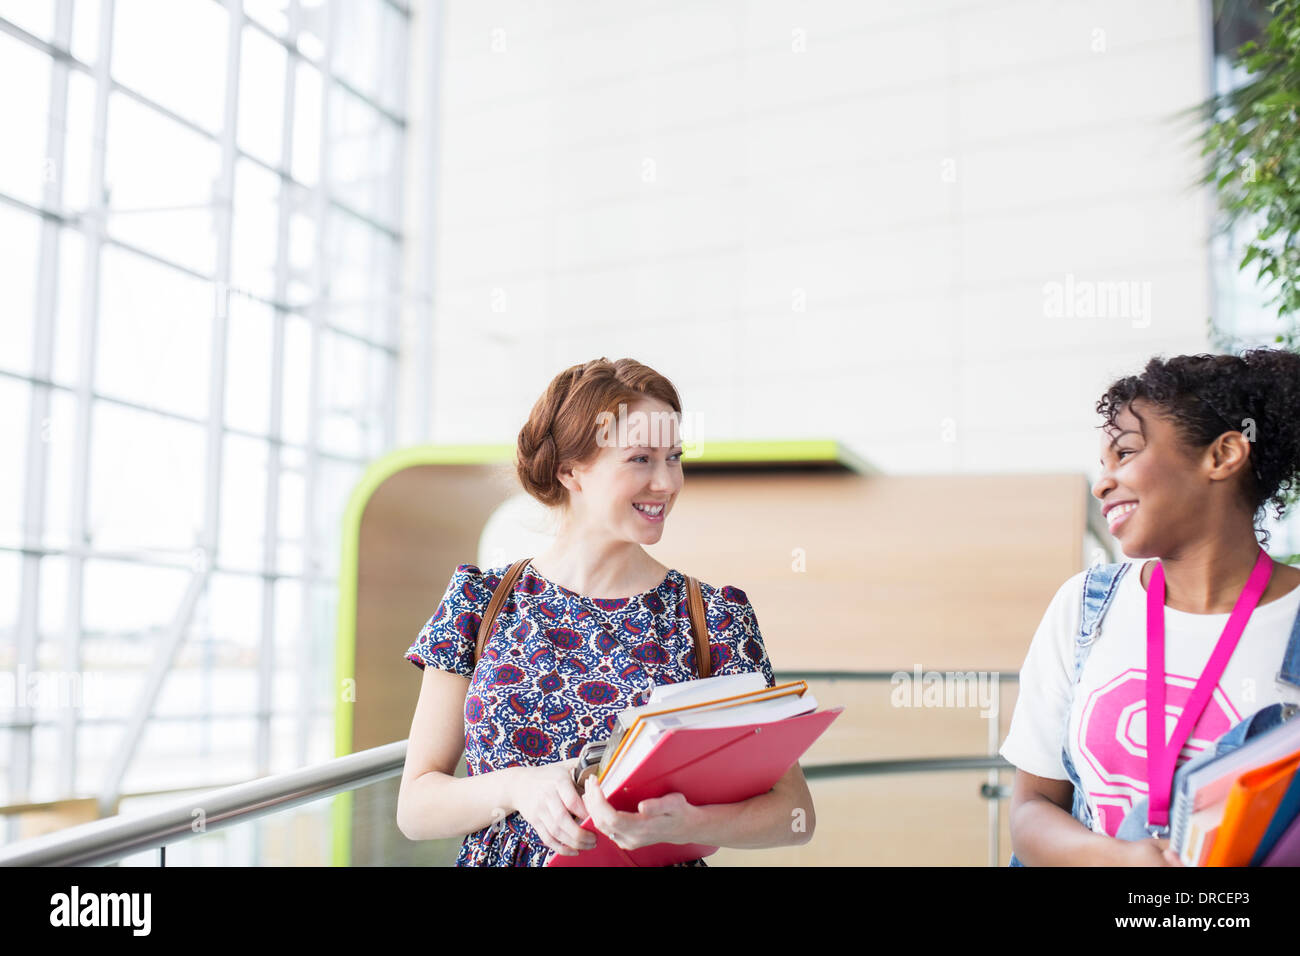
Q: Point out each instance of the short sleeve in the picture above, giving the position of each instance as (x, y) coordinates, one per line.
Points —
(734, 635)
(447, 639)
(1037, 729)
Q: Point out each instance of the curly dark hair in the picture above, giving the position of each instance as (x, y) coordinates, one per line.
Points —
(1206, 395)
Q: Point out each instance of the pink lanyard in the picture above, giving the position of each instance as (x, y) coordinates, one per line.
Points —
(1161, 758)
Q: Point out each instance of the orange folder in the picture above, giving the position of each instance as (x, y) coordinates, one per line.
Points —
(706, 765)
(1251, 803)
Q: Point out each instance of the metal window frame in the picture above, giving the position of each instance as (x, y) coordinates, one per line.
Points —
(54, 218)
(36, 460)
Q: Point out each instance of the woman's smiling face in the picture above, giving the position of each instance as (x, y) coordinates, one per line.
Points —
(1151, 488)
(640, 466)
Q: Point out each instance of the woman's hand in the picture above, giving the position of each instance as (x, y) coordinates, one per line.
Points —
(1152, 851)
(546, 797)
(665, 819)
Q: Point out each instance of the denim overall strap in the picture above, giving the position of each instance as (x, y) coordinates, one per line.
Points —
(1099, 586)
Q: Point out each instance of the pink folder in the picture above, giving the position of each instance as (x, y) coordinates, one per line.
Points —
(706, 765)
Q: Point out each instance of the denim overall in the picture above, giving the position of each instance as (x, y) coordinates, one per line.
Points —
(1099, 586)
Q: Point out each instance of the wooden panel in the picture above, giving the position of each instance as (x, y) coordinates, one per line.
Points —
(916, 819)
(947, 572)
(47, 818)
(418, 526)
(874, 727)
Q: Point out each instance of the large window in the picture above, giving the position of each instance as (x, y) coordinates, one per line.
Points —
(199, 250)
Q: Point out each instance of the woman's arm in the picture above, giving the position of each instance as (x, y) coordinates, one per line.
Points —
(783, 816)
(1045, 833)
(432, 803)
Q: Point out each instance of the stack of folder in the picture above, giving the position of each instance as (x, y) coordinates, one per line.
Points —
(714, 740)
(1241, 808)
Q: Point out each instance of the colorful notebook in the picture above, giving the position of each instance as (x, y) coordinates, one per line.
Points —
(1252, 801)
(706, 765)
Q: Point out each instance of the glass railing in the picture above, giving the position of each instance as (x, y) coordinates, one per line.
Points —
(930, 808)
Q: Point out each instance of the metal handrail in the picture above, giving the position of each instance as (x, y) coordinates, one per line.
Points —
(869, 768)
(104, 841)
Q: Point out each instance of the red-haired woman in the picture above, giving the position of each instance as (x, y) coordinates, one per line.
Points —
(591, 627)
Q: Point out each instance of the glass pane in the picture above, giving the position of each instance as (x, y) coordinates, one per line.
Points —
(56, 689)
(324, 627)
(313, 27)
(296, 404)
(147, 483)
(393, 60)
(19, 248)
(10, 570)
(250, 337)
(6, 745)
(85, 30)
(44, 766)
(301, 289)
(289, 637)
(67, 308)
(344, 395)
(365, 154)
(272, 14)
(306, 124)
(59, 432)
(231, 615)
(23, 160)
(124, 605)
(117, 689)
(210, 686)
(292, 510)
(190, 752)
(161, 179)
(34, 16)
(383, 384)
(14, 398)
(363, 279)
(78, 147)
(243, 503)
(284, 742)
(154, 334)
(262, 68)
(254, 230)
(335, 481)
(95, 749)
(174, 53)
(358, 61)
(303, 835)
(53, 602)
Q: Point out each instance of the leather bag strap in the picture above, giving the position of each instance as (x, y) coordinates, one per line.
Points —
(498, 598)
(699, 627)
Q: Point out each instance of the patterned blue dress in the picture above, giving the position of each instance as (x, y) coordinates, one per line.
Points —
(558, 669)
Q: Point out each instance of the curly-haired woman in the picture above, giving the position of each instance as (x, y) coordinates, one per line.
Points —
(590, 627)
(1192, 452)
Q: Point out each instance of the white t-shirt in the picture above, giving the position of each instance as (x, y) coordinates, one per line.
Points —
(1107, 717)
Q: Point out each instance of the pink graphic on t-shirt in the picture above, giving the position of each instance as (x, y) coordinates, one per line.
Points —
(1112, 737)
